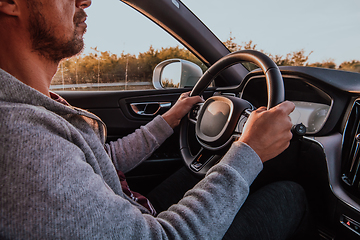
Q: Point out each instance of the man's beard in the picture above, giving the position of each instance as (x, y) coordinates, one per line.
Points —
(47, 44)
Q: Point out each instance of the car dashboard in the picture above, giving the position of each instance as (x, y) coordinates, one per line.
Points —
(327, 102)
(312, 105)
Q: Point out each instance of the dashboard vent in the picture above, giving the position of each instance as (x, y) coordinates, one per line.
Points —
(351, 150)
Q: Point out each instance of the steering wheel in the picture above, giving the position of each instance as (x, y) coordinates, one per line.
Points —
(220, 119)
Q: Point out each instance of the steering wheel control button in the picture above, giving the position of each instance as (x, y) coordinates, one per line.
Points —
(247, 112)
(194, 112)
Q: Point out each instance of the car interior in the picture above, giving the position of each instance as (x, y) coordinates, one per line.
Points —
(323, 155)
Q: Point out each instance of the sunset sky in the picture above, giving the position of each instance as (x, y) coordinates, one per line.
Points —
(331, 29)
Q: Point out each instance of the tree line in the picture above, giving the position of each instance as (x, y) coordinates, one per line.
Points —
(296, 58)
(106, 67)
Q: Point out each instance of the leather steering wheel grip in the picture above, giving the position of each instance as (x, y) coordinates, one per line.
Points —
(274, 81)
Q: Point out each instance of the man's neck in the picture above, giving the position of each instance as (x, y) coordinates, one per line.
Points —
(30, 68)
(17, 56)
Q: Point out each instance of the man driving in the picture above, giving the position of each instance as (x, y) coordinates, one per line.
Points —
(59, 179)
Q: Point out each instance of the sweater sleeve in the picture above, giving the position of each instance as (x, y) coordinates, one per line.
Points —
(51, 189)
(128, 152)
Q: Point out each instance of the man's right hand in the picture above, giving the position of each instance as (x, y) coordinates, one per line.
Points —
(268, 132)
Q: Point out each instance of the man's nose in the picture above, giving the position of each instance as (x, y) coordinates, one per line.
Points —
(83, 3)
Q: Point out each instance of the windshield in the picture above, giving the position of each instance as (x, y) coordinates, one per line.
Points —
(122, 47)
(317, 33)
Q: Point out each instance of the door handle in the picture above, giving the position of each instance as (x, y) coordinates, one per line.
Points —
(149, 108)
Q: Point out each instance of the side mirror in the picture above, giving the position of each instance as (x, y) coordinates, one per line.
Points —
(176, 73)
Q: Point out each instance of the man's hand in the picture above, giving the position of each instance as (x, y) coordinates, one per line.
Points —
(268, 132)
(180, 109)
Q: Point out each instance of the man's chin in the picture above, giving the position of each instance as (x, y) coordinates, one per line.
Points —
(71, 48)
(68, 50)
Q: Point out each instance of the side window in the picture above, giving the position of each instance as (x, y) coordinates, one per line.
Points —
(122, 48)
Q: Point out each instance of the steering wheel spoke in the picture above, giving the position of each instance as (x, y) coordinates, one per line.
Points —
(241, 123)
(203, 160)
(194, 112)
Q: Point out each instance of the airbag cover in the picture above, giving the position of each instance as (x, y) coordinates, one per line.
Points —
(218, 119)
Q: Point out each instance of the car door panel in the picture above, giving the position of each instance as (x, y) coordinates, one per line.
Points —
(114, 107)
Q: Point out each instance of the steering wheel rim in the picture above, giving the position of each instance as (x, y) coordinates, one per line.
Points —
(275, 92)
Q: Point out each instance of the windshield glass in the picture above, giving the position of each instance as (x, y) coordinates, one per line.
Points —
(122, 47)
(297, 33)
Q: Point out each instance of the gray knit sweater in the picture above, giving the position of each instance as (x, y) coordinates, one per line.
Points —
(58, 182)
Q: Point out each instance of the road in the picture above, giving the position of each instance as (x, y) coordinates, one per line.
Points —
(98, 85)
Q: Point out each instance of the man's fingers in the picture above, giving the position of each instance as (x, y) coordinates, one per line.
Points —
(260, 109)
(194, 99)
(185, 94)
(285, 106)
(198, 99)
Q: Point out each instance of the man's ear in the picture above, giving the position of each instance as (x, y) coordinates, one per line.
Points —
(9, 7)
